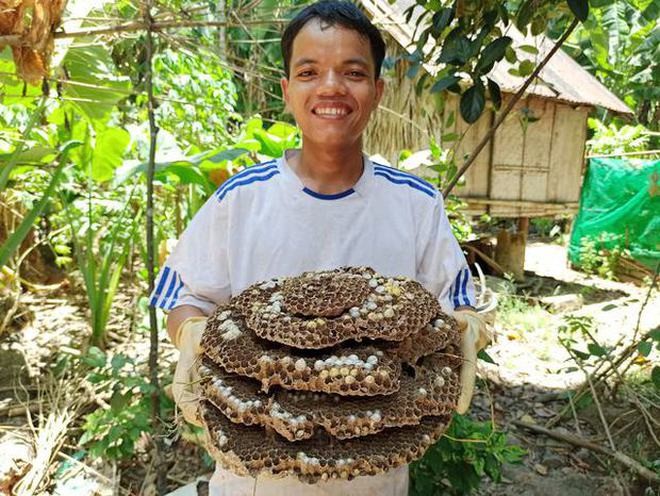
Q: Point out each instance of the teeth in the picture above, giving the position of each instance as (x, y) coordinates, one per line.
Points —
(330, 111)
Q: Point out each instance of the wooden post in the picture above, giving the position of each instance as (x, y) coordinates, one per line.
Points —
(510, 250)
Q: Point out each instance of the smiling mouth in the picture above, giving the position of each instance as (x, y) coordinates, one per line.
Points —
(332, 112)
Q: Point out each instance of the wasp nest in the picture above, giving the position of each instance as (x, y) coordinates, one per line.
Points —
(331, 374)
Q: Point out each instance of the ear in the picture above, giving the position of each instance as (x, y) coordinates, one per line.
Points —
(380, 88)
(284, 83)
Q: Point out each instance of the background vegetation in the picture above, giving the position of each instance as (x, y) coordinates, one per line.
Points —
(74, 155)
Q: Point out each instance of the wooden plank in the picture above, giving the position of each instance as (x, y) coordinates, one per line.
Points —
(538, 136)
(521, 203)
(507, 160)
(509, 140)
(566, 156)
(536, 150)
(477, 176)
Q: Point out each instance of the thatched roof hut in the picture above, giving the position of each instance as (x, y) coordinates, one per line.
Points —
(533, 166)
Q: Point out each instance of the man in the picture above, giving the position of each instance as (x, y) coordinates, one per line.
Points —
(320, 207)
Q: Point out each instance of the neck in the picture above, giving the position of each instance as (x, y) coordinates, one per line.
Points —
(327, 171)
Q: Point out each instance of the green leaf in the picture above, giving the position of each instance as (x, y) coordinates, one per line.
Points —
(524, 15)
(538, 26)
(529, 49)
(525, 68)
(109, 150)
(644, 348)
(655, 376)
(482, 355)
(596, 349)
(493, 52)
(441, 20)
(103, 88)
(472, 103)
(118, 401)
(580, 354)
(444, 83)
(457, 48)
(94, 357)
(580, 9)
(450, 119)
(118, 361)
(33, 120)
(34, 155)
(495, 93)
(510, 55)
(12, 243)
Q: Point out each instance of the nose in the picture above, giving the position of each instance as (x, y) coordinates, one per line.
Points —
(332, 83)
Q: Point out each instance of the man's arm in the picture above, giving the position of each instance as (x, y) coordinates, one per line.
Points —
(176, 317)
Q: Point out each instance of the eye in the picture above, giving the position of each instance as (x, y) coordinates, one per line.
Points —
(305, 74)
(356, 74)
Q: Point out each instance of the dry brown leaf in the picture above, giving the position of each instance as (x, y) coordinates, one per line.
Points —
(32, 54)
(29, 65)
(11, 20)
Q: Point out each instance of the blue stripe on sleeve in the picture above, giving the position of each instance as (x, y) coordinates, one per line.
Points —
(407, 175)
(171, 290)
(175, 297)
(162, 301)
(162, 277)
(464, 287)
(455, 289)
(247, 181)
(242, 175)
(409, 182)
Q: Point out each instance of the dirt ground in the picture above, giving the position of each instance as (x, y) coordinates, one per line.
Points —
(526, 384)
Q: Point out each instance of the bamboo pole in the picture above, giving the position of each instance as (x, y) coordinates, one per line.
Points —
(501, 116)
(153, 322)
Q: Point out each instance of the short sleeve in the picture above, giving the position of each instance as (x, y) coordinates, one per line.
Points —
(196, 272)
(441, 265)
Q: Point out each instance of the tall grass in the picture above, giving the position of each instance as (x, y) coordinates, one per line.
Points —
(102, 258)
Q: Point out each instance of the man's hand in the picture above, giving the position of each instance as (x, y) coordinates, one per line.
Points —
(475, 337)
(187, 339)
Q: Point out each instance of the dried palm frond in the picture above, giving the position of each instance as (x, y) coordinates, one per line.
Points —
(32, 24)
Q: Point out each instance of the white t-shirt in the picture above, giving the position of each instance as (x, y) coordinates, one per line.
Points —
(264, 223)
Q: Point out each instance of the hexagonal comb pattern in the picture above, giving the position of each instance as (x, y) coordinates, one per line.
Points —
(392, 309)
(249, 450)
(358, 370)
(295, 414)
(331, 374)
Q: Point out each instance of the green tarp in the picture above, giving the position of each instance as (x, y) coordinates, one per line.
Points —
(620, 207)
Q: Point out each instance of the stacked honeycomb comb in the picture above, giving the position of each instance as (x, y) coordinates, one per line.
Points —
(331, 374)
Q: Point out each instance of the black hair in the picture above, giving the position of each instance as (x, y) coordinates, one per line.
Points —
(331, 13)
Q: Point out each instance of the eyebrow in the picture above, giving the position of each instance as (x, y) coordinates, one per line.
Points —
(358, 60)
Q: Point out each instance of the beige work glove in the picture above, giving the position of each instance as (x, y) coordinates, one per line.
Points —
(475, 337)
(184, 386)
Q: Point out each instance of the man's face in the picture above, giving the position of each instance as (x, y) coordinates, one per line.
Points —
(331, 89)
